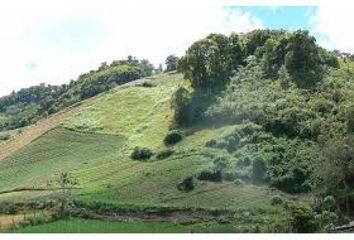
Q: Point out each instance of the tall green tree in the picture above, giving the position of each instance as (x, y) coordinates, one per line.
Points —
(171, 63)
(207, 62)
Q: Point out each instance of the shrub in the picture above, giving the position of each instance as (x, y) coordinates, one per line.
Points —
(329, 203)
(207, 175)
(164, 154)
(244, 162)
(232, 144)
(211, 143)
(238, 181)
(141, 153)
(302, 218)
(186, 185)
(277, 200)
(5, 137)
(229, 176)
(326, 221)
(172, 138)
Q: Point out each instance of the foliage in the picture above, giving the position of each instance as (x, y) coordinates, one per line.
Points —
(180, 105)
(277, 200)
(329, 203)
(208, 61)
(171, 63)
(5, 137)
(172, 137)
(186, 185)
(28, 105)
(207, 175)
(66, 182)
(141, 153)
(336, 171)
(302, 218)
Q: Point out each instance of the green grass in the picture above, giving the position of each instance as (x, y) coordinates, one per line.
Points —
(77, 225)
(57, 151)
(142, 114)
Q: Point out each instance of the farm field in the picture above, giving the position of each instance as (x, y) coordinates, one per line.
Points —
(76, 225)
(56, 151)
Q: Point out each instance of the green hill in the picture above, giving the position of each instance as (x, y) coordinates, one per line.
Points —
(238, 141)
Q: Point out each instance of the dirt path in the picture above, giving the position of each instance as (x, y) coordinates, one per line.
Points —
(44, 125)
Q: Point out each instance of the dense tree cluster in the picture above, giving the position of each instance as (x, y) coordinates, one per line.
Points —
(299, 94)
(214, 59)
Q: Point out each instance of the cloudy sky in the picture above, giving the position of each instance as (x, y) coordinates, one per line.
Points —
(56, 43)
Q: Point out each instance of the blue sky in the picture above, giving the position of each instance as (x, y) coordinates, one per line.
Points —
(281, 17)
(56, 42)
(285, 17)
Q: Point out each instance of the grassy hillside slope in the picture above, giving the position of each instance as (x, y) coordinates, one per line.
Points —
(95, 146)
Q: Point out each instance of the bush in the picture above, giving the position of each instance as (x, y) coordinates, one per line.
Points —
(186, 185)
(277, 200)
(211, 143)
(329, 203)
(5, 137)
(141, 153)
(232, 143)
(238, 181)
(173, 138)
(326, 221)
(207, 175)
(302, 218)
(164, 154)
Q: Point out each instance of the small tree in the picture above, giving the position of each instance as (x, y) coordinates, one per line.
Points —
(65, 181)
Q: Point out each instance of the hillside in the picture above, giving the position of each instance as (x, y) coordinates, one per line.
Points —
(253, 138)
(99, 158)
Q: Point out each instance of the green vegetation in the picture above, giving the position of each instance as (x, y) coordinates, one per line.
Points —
(57, 151)
(28, 105)
(76, 225)
(261, 128)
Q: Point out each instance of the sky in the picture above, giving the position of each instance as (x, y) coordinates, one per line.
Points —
(56, 43)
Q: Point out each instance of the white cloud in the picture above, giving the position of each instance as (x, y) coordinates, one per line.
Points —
(56, 43)
(333, 26)
(241, 21)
